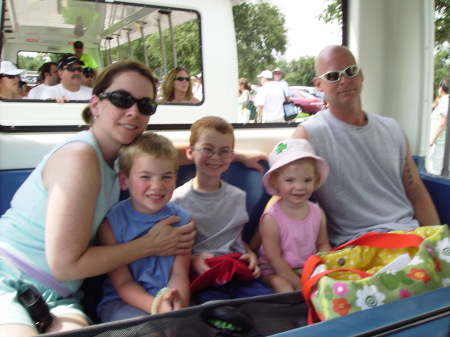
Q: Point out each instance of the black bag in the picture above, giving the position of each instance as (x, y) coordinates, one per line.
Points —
(290, 111)
(30, 298)
(251, 106)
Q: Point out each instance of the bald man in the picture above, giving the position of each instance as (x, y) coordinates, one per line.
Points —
(373, 184)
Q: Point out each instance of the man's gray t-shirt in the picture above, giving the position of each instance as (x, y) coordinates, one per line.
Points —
(364, 191)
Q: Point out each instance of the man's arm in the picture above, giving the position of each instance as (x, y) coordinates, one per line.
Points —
(300, 133)
(424, 209)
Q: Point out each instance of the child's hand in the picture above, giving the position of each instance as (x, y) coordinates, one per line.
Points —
(199, 262)
(170, 301)
(252, 260)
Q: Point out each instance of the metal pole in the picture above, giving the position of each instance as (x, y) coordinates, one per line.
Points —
(118, 46)
(140, 25)
(174, 50)
(163, 47)
(108, 42)
(130, 47)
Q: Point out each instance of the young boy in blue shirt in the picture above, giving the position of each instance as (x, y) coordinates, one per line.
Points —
(154, 284)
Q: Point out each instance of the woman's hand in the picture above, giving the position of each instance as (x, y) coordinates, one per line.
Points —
(164, 239)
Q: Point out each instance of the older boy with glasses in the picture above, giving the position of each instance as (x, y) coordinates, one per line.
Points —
(70, 88)
(373, 183)
(219, 211)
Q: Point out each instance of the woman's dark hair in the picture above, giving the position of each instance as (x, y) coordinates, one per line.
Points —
(104, 80)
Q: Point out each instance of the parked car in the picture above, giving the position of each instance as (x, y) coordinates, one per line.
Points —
(306, 102)
(310, 90)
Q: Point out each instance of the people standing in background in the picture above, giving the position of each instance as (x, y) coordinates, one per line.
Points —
(177, 87)
(197, 88)
(9, 80)
(243, 99)
(435, 158)
(278, 75)
(269, 100)
(88, 77)
(70, 88)
(48, 77)
(88, 60)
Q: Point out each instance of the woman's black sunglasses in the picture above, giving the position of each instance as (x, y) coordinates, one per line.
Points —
(124, 100)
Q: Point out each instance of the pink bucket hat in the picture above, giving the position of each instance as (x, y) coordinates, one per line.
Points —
(288, 151)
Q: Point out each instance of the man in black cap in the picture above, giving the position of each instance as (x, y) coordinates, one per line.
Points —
(88, 60)
(70, 88)
(88, 77)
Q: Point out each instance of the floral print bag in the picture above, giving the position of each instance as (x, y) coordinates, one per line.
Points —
(375, 269)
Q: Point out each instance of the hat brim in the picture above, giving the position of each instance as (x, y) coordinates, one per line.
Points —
(14, 72)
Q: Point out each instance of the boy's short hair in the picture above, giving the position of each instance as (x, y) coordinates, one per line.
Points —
(210, 122)
(148, 143)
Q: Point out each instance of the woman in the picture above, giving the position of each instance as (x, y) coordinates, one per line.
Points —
(244, 97)
(177, 87)
(46, 234)
(9, 80)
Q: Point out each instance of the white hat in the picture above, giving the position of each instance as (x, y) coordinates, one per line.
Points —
(8, 68)
(266, 74)
(289, 150)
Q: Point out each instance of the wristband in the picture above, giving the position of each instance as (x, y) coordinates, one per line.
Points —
(158, 298)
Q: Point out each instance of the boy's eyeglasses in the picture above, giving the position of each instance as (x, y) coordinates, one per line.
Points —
(9, 76)
(124, 100)
(182, 79)
(335, 76)
(73, 69)
(208, 153)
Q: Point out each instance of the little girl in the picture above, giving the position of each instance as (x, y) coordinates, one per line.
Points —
(293, 228)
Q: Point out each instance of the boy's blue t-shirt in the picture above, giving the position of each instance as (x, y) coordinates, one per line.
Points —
(151, 272)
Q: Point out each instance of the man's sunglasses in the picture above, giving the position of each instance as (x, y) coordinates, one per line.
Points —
(182, 79)
(73, 69)
(124, 100)
(335, 76)
(9, 76)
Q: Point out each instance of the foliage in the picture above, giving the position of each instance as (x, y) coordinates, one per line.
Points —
(187, 45)
(261, 36)
(442, 22)
(441, 63)
(333, 12)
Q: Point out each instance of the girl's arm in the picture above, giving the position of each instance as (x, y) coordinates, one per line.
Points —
(72, 178)
(128, 289)
(270, 236)
(322, 243)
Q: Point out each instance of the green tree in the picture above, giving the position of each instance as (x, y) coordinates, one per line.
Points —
(301, 71)
(187, 45)
(261, 36)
